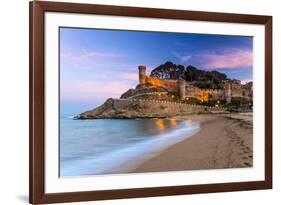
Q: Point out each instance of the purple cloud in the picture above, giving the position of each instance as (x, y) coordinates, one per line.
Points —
(235, 59)
(89, 90)
(226, 59)
(85, 58)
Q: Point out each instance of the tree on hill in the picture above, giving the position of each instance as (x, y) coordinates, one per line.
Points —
(201, 78)
(192, 73)
(163, 71)
(195, 74)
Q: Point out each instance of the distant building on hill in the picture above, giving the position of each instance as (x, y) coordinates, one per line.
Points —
(230, 89)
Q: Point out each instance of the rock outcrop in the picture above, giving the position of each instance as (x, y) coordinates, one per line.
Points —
(132, 108)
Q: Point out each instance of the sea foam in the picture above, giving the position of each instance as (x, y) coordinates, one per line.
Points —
(130, 156)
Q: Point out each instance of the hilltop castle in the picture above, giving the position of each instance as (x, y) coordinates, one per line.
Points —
(160, 98)
(231, 88)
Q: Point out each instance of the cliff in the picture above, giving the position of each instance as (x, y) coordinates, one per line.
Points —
(159, 96)
(131, 108)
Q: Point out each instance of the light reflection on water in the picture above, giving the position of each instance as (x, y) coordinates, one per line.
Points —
(160, 124)
(173, 122)
(165, 124)
(94, 146)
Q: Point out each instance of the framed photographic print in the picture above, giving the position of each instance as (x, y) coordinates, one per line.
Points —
(139, 102)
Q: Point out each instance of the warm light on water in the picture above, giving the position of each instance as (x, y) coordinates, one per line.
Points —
(163, 124)
(173, 122)
(106, 145)
(160, 124)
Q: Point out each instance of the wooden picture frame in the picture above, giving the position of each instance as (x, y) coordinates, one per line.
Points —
(37, 193)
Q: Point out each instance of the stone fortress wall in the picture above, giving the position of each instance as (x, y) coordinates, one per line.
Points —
(170, 85)
(132, 108)
(133, 104)
(167, 108)
(232, 88)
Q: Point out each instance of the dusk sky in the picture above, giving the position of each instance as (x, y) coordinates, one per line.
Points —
(98, 64)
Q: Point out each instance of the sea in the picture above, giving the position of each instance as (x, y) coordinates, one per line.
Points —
(116, 146)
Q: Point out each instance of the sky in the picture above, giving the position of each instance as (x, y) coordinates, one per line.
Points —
(98, 64)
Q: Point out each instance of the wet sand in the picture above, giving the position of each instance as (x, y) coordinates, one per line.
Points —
(224, 141)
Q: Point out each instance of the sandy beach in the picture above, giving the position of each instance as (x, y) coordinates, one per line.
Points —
(224, 141)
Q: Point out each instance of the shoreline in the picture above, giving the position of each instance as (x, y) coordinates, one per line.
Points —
(224, 141)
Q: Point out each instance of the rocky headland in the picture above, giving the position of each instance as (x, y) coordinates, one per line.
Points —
(143, 103)
(172, 90)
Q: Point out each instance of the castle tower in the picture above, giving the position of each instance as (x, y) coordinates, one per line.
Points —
(142, 74)
(227, 91)
(181, 89)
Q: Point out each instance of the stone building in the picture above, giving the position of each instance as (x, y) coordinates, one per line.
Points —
(232, 88)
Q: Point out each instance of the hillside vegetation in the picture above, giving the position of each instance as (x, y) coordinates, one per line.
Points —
(200, 78)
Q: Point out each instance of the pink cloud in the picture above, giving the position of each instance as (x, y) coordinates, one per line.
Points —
(235, 59)
(227, 59)
(85, 57)
(88, 91)
(129, 76)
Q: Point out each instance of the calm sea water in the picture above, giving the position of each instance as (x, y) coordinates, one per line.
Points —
(109, 146)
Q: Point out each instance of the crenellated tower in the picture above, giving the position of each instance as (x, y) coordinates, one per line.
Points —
(142, 75)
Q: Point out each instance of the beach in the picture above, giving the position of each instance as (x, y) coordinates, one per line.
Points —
(188, 142)
(224, 141)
